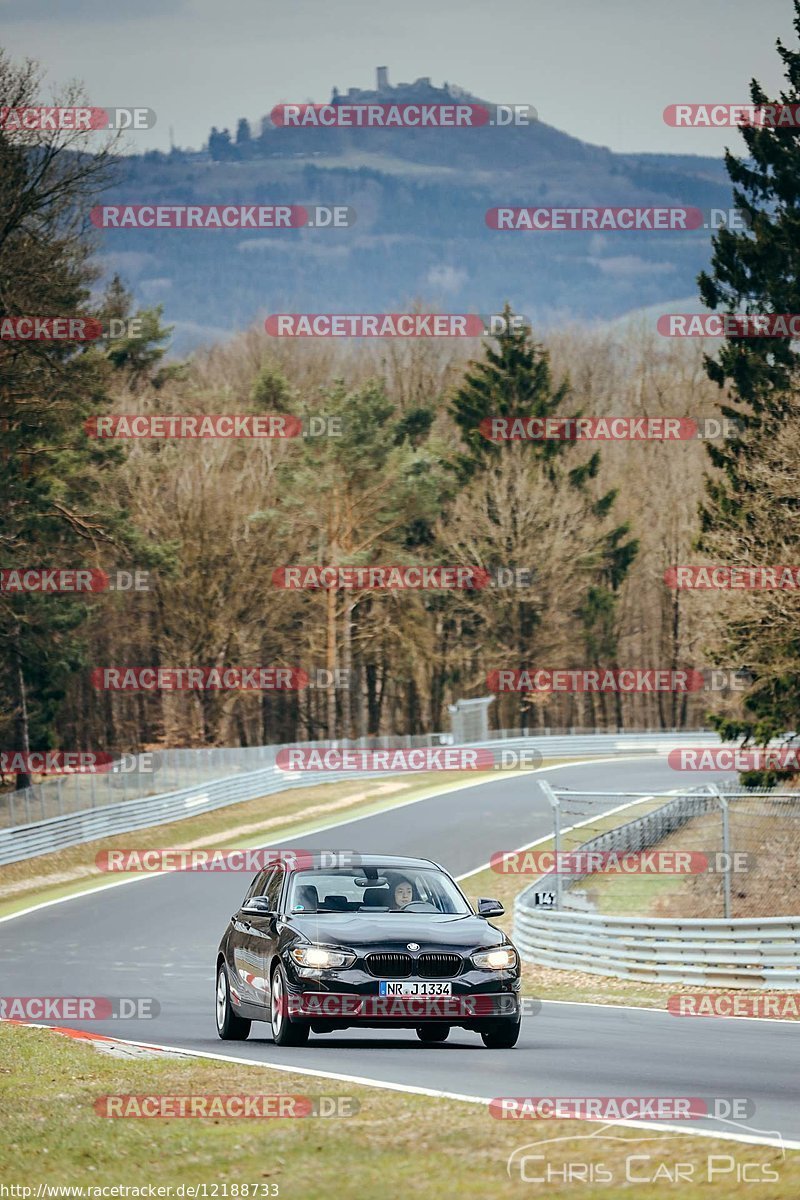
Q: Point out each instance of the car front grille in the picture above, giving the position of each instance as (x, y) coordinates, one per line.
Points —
(400, 966)
(438, 966)
(389, 966)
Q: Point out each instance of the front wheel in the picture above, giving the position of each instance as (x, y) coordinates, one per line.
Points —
(433, 1033)
(284, 1031)
(501, 1036)
(230, 1026)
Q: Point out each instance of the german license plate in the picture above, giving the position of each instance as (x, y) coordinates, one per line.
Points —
(407, 987)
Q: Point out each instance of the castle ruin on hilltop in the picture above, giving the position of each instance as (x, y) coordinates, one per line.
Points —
(420, 90)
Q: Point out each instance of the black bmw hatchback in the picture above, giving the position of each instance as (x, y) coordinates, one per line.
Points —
(385, 942)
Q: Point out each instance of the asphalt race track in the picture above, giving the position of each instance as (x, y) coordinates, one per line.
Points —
(158, 937)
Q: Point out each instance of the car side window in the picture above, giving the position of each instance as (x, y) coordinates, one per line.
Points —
(273, 888)
(257, 886)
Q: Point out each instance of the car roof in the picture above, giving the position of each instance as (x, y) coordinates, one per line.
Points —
(320, 861)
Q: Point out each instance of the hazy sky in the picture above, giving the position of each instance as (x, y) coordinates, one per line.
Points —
(602, 70)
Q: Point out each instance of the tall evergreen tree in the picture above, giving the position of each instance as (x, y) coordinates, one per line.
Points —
(244, 140)
(512, 380)
(757, 270)
(50, 513)
(515, 380)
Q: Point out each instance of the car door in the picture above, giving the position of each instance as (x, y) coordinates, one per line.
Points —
(266, 927)
(261, 932)
(247, 943)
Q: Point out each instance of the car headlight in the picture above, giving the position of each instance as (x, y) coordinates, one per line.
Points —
(322, 957)
(501, 959)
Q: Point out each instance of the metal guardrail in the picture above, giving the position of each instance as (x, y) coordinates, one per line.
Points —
(155, 773)
(232, 782)
(729, 952)
(717, 953)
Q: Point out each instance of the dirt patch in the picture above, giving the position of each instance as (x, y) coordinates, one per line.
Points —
(768, 885)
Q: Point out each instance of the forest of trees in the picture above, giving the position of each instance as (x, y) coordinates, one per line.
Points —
(407, 480)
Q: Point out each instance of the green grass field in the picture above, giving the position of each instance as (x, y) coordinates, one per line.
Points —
(394, 1145)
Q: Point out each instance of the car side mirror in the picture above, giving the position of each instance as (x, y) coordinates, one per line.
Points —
(490, 908)
(258, 905)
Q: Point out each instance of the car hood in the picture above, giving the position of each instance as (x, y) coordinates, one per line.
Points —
(391, 931)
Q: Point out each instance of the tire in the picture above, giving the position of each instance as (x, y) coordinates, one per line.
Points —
(285, 1032)
(501, 1036)
(230, 1026)
(430, 1033)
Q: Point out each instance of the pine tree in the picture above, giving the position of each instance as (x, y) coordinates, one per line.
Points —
(50, 513)
(244, 139)
(757, 270)
(515, 380)
(136, 354)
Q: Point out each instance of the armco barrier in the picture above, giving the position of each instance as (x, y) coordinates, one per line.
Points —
(717, 953)
(26, 840)
(714, 952)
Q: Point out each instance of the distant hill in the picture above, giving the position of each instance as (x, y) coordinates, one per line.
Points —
(420, 198)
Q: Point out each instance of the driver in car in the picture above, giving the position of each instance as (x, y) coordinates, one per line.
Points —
(402, 894)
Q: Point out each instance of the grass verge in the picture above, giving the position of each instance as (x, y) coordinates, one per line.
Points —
(426, 1146)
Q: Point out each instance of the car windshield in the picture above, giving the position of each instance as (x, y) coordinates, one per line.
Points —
(378, 889)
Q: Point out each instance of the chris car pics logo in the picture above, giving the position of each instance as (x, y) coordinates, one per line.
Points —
(616, 1157)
